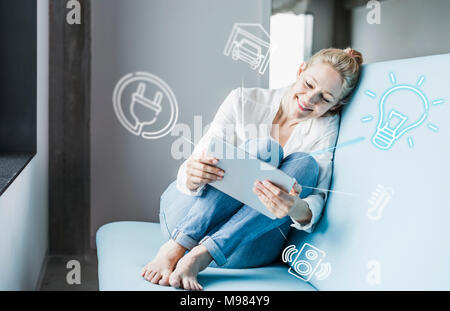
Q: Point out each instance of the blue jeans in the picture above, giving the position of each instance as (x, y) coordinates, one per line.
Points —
(236, 235)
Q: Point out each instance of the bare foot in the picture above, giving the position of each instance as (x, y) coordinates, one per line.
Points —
(159, 269)
(185, 274)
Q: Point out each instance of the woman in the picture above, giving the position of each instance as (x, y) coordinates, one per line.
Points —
(302, 118)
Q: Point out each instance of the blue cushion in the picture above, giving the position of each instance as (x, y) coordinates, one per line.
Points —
(405, 244)
(123, 248)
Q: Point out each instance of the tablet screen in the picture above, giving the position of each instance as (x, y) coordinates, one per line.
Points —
(241, 171)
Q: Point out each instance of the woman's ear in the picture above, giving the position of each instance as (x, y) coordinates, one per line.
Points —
(300, 70)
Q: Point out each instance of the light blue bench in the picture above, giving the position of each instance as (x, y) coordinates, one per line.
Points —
(400, 242)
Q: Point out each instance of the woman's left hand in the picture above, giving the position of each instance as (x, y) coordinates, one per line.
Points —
(277, 200)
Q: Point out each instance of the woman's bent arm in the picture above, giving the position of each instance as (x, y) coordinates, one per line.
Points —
(317, 199)
(224, 119)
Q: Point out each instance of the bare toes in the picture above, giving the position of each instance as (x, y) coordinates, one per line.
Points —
(147, 272)
(151, 275)
(156, 278)
(197, 286)
(174, 281)
(164, 280)
(194, 285)
(186, 284)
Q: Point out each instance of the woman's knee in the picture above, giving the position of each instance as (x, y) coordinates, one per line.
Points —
(265, 149)
(168, 196)
(173, 207)
(304, 168)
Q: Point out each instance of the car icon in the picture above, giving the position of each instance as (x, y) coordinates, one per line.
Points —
(248, 52)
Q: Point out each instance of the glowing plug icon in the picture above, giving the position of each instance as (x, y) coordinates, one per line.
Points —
(138, 102)
(393, 125)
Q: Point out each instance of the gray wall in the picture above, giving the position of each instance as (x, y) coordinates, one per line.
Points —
(181, 42)
(323, 31)
(408, 28)
(24, 205)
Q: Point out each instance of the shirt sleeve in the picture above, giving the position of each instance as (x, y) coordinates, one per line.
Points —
(222, 126)
(316, 200)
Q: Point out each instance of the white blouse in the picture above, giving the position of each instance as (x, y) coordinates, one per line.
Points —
(245, 107)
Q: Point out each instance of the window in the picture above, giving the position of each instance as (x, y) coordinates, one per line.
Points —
(18, 55)
(291, 36)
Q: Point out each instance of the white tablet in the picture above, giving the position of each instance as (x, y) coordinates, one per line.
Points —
(241, 172)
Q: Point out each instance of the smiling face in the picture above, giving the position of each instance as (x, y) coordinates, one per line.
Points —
(316, 92)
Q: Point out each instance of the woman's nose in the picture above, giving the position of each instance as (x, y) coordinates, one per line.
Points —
(311, 99)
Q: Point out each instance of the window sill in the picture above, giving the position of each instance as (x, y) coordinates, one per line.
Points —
(11, 164)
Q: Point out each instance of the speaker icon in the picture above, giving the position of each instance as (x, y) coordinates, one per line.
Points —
(324, 271)
(288, 253)
(307, 262)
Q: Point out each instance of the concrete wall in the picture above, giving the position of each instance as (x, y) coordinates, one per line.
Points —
(24, 205)
(408, 28)
(182, 42)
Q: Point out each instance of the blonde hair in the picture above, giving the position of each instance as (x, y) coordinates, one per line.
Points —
(347, 63)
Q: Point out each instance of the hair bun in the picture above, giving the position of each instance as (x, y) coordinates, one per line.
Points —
(355, 54)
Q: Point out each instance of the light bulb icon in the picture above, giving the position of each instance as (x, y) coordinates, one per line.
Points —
(400, 114)
(394, 124)
(138, 102)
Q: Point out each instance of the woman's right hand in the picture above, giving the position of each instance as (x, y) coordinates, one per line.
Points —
(201, 169)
